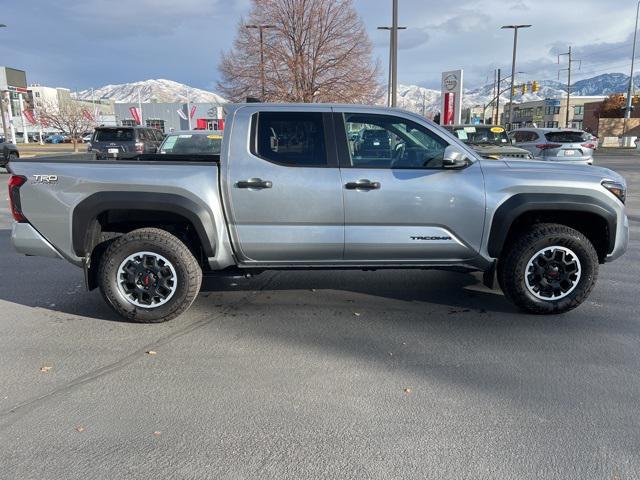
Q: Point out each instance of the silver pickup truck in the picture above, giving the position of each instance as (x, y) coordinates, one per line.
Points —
(320, 186)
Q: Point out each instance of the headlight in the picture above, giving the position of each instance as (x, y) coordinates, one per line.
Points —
(617, 188)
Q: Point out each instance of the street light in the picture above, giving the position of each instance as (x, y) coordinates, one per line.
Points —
(627, 113)
(513, 64)
(392, 52)
(261, 28)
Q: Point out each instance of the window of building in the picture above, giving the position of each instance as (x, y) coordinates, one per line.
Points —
(157, 124)
(578, 110)
(551, 125)
(539, 111)
(129, 123)
(290, 138)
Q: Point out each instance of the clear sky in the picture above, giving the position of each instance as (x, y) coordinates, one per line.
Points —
(90, 43)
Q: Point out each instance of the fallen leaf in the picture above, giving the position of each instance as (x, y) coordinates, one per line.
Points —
(407, 390)
(151, 352)
(79, 428)
(157, 433)
(45, 369)
(356, 314)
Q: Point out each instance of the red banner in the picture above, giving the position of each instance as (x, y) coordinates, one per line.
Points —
(28, 114)
(135, 113)
(193, 111)
(87, 115)
(449, 108)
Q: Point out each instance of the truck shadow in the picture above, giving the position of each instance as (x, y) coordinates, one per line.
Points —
(57, 286)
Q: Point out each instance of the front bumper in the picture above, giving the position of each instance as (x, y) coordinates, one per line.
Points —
(28, 241)
(622, 240)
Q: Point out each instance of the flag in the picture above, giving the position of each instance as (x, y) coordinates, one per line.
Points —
(28, 114)
(193, 111)
(88, 116)
(181, 114)
(135, 113)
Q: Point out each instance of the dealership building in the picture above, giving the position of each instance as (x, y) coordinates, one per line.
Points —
(169, 117)
(548, 113)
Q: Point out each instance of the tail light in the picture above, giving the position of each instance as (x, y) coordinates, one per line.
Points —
(548, 146)
(15, 182)
(588, 145)
(139, 147)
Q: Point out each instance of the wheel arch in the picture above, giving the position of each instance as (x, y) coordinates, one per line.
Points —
(88, 216)
(592, 217)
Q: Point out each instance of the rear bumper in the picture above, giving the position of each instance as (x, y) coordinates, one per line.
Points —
(28, 241)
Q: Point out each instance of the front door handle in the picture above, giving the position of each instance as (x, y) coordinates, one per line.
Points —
(363, 184)
(254, 183)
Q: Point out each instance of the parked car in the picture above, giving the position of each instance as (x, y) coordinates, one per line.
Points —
(8, 153)
(288, 193)
(55, 138)
(86, 138)
(490, 141)
(192, 142)
(555, 144)
(124, 142)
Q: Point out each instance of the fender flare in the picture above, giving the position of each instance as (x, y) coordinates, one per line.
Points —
(84, 216)
(522, 203)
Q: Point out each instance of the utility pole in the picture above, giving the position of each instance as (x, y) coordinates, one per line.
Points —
(391, 53)
(2, 111)
(498, 98)
(629, 107)
(394, 61)
(261, 28)
(567, 124)
(513, 64)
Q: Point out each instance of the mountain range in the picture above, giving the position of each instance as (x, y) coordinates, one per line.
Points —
(159, 91)
(411, 97)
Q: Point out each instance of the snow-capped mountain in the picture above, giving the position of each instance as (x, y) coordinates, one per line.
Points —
(604, 84)
(159, 90)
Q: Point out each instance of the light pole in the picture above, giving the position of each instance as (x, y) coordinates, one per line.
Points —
(391, 55)
(4, 121)
(629, 107)
(261, 28)
(513, 65)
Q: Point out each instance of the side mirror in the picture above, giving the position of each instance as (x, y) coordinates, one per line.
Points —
(454, 157)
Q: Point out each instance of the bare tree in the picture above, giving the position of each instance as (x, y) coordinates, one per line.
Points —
(318, 51)
(70, 117)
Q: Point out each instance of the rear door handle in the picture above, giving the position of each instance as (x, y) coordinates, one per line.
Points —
(362, 184)
(254, 183)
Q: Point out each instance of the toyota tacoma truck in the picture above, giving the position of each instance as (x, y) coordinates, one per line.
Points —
(294, 188)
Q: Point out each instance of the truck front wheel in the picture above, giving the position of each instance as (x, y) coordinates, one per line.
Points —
(549, 269)
(149, 276)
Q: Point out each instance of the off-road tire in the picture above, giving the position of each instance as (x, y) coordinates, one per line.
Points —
(187, 269)
(513, 265)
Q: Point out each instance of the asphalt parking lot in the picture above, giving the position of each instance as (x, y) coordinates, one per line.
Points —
(321, 375)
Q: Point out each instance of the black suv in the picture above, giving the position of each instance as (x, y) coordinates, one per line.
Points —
(8, 152)
(124, 142)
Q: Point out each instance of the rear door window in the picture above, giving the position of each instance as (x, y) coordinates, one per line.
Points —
(290, 138)
(114, 135)
(566, 137)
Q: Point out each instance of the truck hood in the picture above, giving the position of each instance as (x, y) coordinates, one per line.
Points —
(563, 169)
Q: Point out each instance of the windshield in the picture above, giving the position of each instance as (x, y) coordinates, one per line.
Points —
(114, 135)
(567, 137)
(192, 144)
(479, 135)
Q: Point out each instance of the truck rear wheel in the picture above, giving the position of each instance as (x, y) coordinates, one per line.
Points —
(550, 269)
(149, 276)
